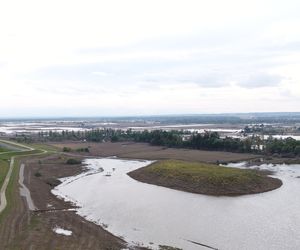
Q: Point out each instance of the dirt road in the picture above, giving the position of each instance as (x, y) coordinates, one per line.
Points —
(3, 201)
(24, 191)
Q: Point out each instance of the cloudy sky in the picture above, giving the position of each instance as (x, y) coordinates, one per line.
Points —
(137, 57)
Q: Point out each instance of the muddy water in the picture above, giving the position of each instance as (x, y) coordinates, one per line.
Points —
(152, 215)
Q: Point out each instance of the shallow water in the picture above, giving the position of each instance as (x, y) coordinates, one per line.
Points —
(62, 231)
(145, 214)
(296, 137)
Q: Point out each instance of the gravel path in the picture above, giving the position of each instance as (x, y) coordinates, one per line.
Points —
(24, 191)
(3, 201)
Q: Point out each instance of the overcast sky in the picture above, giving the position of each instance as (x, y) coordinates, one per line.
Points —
(100, 58)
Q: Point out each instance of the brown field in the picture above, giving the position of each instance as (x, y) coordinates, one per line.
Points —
(145, 151)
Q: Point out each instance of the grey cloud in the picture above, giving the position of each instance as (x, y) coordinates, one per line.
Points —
(260, 80)
(293, 46)
(70, 89)
(212, 80)
(71, 72)
(207, 39)
(205, 81)
(215, 79)
(216, 50)
(87, 71)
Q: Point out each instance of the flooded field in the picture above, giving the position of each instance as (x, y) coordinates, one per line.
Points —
(11, 128)
(32, 127)
(150, 215)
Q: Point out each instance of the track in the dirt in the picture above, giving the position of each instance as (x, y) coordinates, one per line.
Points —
(3, 201)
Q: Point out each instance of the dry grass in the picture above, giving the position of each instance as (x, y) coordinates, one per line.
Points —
(145, 151)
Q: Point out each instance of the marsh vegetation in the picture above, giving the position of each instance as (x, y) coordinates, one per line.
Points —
(205, 178)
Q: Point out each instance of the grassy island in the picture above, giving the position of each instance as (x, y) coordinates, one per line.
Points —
(205, 178)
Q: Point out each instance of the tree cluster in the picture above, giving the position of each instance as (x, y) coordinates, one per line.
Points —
(182, 139)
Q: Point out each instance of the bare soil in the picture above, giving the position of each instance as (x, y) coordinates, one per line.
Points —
(24, 229)
(145, 151)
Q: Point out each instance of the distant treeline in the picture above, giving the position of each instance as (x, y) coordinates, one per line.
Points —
(288, 147)
(231, 118)
(211, 141)
(234, 118)
(248, 118)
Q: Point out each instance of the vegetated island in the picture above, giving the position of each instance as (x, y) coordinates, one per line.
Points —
(205, 178)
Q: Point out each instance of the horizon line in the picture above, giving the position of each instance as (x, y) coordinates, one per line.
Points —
(142, 115)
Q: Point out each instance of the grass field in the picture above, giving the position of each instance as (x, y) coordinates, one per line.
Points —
(197, 172)
(205, 178)
(3, 170)
(10, 190)
(47, 147)
(2, 150)
(4, 166)
(8, 155)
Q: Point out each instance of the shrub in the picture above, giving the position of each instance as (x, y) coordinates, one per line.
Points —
(73, 161)
(53, 182)
(67, 149)
(86, 150)
(37, 174)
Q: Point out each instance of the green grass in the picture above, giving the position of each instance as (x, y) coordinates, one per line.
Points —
(2, 150)
(10, 191)
(197, 172)
(16, 146)
(4, 166)
(46, 147)
(12, 185)
(8, 155)
(205, 178)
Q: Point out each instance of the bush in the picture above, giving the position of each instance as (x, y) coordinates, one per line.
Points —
(73, 161)
(115, 138)
(53, 182)
(86, 150)
(67, 149)
(37, 174)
